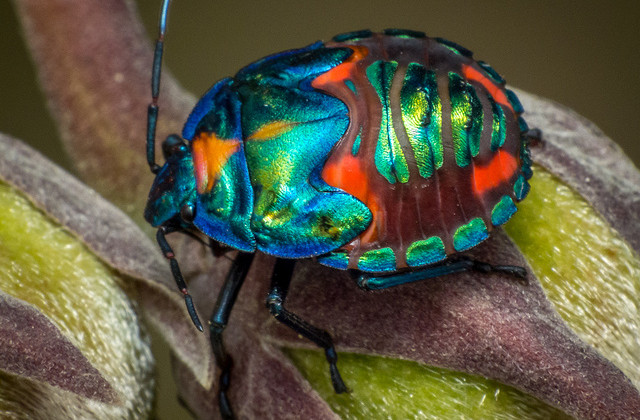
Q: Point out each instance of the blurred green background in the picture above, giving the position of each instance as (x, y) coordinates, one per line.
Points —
(585, 55)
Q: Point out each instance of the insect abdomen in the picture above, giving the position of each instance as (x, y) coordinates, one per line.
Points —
(433, 149)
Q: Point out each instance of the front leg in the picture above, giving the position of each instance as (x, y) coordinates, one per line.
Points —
(219, 319)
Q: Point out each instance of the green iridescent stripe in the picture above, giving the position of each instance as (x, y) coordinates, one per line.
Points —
(498, 125)
(426, 252)
(503, 211)
(466, 119)
(389, 159)
(469, 235)
(378, 260)
(422, 117)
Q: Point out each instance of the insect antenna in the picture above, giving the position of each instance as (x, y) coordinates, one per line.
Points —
(156, 69)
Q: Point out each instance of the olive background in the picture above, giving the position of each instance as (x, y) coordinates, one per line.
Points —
(585, 55)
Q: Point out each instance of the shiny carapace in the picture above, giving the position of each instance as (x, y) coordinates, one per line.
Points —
(375, 151)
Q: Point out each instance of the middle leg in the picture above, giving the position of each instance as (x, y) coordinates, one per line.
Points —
(280, 281)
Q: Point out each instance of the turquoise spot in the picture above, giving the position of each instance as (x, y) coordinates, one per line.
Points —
(491, 72)
(378, 260)
(351, 86)
(525, 159)
(426, 252)
(455, 48)
(515, 102)
(522, 124)
(353, 36)
(404, 33)
(356, 144)
(335, 259)
(469, 235)
(503, 211)
(521, 188)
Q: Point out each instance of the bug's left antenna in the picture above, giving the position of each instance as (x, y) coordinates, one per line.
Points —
(152, 110)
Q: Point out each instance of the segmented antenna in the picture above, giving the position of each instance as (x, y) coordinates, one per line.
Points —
(152, 121)
(152, 110)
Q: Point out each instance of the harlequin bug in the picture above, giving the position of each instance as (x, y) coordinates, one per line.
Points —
(387, 154)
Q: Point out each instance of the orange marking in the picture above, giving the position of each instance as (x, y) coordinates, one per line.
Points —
(210, 154)
(271, 130)
(500, 169)
(342, 71)
(496, 92)
(348, 174)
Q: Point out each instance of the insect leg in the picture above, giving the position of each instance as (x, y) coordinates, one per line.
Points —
(175, 270)
(280, 281)
(220, 318)
(460, 264)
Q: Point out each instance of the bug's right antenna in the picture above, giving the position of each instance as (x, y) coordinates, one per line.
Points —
(152, 121)
(152, 110)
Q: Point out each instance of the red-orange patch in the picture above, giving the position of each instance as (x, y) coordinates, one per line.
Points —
(496, 92)
(500, 169)
(210, 154)
(348, 174)
(342, 71)
(271, 130)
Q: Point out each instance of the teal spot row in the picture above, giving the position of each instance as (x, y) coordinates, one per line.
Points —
(521, 188)
(353, 36)
(377, 260)
(404, 33)
(515, 102)
(522, 125)
(335, 259)
(495, 76)
(503, 211)
(469, 235)
(456, 48)
(426, 252)
(525, 159)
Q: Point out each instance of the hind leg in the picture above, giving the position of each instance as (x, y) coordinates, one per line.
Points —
(458, 265)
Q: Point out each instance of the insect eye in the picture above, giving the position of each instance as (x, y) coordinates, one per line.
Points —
(187, 213)
(172, 145)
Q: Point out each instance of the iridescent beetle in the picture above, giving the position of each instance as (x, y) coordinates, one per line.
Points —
(386, 154)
